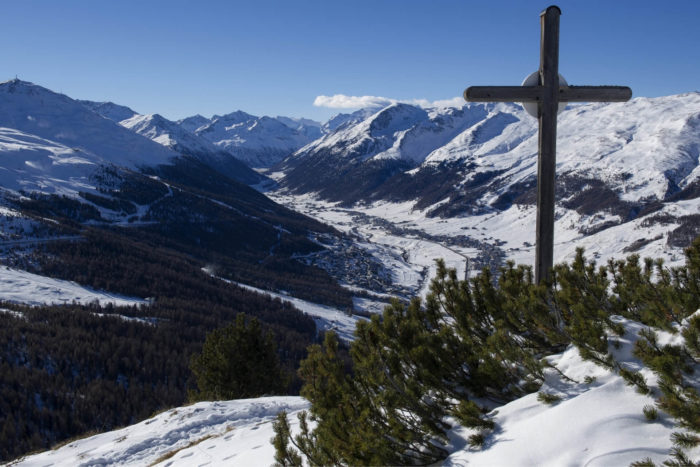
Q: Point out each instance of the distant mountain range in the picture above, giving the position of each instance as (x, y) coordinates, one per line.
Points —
(621, 160)
(617, 163)
(67, 164)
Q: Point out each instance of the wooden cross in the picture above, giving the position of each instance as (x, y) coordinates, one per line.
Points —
(547, 96)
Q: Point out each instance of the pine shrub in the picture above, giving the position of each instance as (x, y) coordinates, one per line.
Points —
(237, 361)
(548, 398)
(650, 413)
(422, 362)
(477, 440)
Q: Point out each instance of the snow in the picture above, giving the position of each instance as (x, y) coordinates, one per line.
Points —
(596, 424)
(23, 287)
(599, 423)
(633, 146)
(109, 110)
(642, 149)
(169, 134)
(50, 143)
(31, 163)
(37, 111)
(326, 317)
(513, 229)
(257, 141)
(206, 433)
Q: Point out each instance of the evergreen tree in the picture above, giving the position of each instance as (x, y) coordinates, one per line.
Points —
(237, 361)
(419, 362)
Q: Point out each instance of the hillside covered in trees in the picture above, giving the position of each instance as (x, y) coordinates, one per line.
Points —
(71, 369)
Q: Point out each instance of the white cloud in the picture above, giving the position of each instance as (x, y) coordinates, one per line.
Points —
(341, 101)
(454, 102)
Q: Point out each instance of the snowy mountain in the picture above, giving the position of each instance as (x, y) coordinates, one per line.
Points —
(347, 119)
(52, 144)
(632, 166)
(182, 141)
(180, 138)
(116, 227)
(113, 212)
(257, 141)
(193, 123)
(110, 110)
(641, 150)
(309, 128)
(62, 121)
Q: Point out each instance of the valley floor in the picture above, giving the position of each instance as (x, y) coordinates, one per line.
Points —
(408, 242)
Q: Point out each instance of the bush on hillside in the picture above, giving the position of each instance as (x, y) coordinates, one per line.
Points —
(237, 361)
(420, 363)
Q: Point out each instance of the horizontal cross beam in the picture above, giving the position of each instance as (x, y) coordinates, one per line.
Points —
(535, 93)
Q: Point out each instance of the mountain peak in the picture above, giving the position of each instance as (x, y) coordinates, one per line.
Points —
(35, 110)
(193, 123)
(234, 117)
(397, 117)
(110, 110)
(341, 119)
(17, 86)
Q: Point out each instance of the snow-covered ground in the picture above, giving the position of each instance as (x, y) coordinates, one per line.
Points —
(326, 317)
(207, 433)
(512, 231)
(596, 424)
(32, 289)
(599, 423)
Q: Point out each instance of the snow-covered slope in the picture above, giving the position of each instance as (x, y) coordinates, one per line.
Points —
(597, 422)
(167, 133)
(628, 174)
(110, 110)
(347, 119)
(600, 423)
(182, 141)
(56, 118)
(31, 163)
(207, 433)
(193, 123)
(257, 141)
(399, 131)
(309, 128)
(23, 287)
(643, 149)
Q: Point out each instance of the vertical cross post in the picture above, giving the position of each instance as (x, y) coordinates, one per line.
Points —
(547, 94)
(546, 163)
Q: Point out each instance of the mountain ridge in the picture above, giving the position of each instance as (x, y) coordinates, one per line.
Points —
(643, 150)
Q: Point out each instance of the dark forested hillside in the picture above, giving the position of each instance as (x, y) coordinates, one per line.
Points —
(169, 235)
(68, 370)
(191, 209)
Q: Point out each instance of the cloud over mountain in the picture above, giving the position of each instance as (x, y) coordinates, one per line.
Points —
(341, 101)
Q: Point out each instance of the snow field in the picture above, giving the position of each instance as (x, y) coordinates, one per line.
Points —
(597, 424)
(32, 289)
(206, 433)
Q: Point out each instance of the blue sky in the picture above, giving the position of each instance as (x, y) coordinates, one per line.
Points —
(179, 58)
